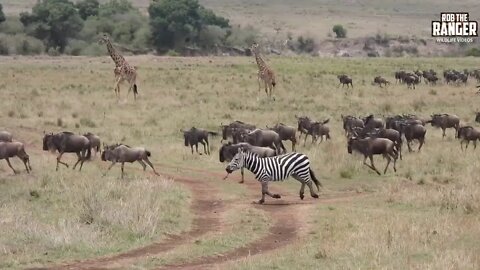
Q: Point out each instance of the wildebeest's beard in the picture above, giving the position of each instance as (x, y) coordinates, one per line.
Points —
(185, 136)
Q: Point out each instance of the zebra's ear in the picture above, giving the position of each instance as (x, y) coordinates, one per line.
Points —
(240, 150)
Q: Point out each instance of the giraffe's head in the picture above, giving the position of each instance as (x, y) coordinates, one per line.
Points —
(254, 47)
(103, 39)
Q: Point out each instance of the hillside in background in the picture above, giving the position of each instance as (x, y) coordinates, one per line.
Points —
(405, 24)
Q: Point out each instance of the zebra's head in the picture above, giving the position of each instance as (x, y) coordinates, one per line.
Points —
(237, 161)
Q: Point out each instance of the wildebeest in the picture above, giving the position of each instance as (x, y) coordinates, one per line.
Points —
(387, 133)
(380, 80)
(413, 131)
(445, 121)
(195, 135)
(12, 149)
(6, 136)
(370, 122)
(374, 146)
(467, 134)
(95, 142)
(67, 142)
(345, 80)
(228, 151)
(319, 130)
(304, 125)
(399, 75)
(411, 80)
(395, 121)
(287, 133)
(351, 122)
(232, 129)
(266, 138)
(123, 153)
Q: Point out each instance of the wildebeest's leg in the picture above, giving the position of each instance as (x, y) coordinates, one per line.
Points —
(10, 165)
(294, 141)
(26, 162)
(60, 162)
(204, 147)
(208, 145)
(474, 144)
(143, 164)
(422, 141)
(409, 147)
(191, 146)
(109, 167)
(79, 155)
(305, 140)
(123, 165)
(372, 166)
(84, 157)
(243, 179)
(443, 134)
(151, 165)
(389, 159)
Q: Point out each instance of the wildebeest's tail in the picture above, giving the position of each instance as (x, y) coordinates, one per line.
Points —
(135, 89)
(315, 180)
(213, 133)
(89, 152)
(148, 153)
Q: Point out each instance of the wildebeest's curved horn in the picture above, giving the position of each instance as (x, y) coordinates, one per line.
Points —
(326, 121)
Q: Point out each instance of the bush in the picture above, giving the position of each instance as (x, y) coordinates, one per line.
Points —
(237, 36)
(174, 23)
(12, 26)
(306, 44)
(20, 44)
(53, 21)
(473, 52)
(87, 8)
(75, 47)
(340, 31)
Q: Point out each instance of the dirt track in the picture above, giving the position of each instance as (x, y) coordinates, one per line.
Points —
(288, 219)
(287, 216)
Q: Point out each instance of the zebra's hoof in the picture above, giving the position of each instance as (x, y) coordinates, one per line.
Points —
(261, 201)
(276, 196)
(315, 196)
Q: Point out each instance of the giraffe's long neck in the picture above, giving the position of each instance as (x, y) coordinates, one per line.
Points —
(116, 57)
(260, 63)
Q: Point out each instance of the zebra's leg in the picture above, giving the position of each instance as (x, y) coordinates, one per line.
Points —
(302, 191)
(265, 191)
(312, 191)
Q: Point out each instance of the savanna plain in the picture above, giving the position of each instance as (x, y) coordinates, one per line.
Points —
(424, 216)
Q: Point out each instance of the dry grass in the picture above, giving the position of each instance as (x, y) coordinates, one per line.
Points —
(431, 206)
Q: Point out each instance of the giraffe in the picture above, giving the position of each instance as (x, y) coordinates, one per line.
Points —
(123, 71)
(265, 74)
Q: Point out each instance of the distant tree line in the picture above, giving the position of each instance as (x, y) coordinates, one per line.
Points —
(68, 27)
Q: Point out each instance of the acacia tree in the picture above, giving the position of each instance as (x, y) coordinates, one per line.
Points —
(53, 21)
(174, 23)
(87, 8)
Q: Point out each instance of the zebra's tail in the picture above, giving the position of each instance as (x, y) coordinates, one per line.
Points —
(315, 180)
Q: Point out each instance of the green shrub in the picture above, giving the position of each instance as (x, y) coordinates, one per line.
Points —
(473, 52)
(340, 31)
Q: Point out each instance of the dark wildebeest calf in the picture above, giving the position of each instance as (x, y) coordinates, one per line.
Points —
(467, 134)
(228, 151)
(370, 122)
(287, 133)
(445, 121)
(413, 131)
(379, 80)
(345, 80)
(123, 153)
(319, 130)
(67, 142)
(195, 135)
(94, 141)
(351, 122)
(233, 129)
(6, 136)
(374, 146)
(12, 149)
(304, 124)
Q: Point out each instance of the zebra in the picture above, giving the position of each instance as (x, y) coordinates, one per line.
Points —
(276, 168)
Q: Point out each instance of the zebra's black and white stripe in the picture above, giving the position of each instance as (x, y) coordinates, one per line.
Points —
(276, 168)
